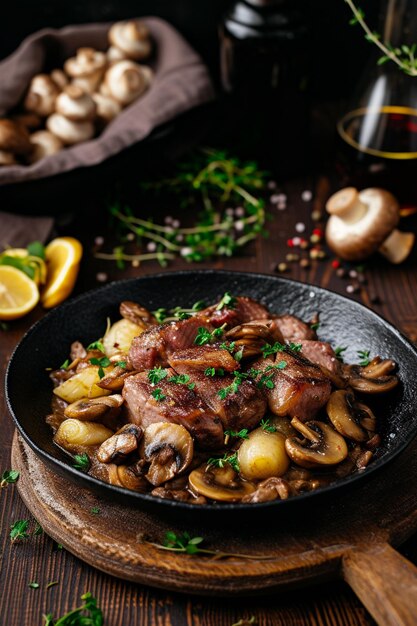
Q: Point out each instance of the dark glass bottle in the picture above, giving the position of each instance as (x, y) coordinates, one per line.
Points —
(264, 69)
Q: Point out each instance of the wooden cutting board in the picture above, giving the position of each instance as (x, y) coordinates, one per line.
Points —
(350, 537)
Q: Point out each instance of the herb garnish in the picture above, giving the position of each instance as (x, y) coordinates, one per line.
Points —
(96, 345)
(95, 510)
(157, 374)
(315, 326)
(158, 394)
(295, 347)
(246, 622)
(339, 352)
(220, 462)
(65, 364)
(242, 434)
(364, 355)
(81, 461)
(182, 379)
(212, 371)
(34, 585)
(52, 584)
(19, 531)
(204, 336)
(267, 349)
(38, 530)
(122, 364)
(178, 313)
(266, 425)
(32, 264)
(88, 614)
(101, 362)
(9, 477)
(227, 301)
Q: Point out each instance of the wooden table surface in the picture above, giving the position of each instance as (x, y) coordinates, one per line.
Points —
(126, 604)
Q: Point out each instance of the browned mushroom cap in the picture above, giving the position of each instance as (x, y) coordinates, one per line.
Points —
(120, 445)
(136, 313)
(350, 418)
(269, 489)
(220, 483)
(41, 95)
(251, 336)
(115, 380)
(321, 446)
(374, 378)
(91, 409)
(169, 449)
(14, 138)
(361, 223)
(129, 476)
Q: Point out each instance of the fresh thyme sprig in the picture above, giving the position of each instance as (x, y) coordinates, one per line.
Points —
(403, 56)
(214, 181)
(339, 352)
(266, 425)
(220, 462)
(81, 461)
(364, 356)
(88, 614)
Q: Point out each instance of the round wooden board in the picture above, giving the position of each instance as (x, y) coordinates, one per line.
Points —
(326, 542)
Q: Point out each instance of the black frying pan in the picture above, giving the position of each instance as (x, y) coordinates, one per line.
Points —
(342, 321)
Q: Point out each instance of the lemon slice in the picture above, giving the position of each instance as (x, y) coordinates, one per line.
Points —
(63, 256)
(18, 293)
(35, 263)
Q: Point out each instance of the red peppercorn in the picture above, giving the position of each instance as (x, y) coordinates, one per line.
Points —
(335, 263)
(290, 243)
(318, 232)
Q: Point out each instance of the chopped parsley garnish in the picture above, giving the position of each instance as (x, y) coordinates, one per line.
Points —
(96, 345)
(101, 362)
(315, 326)
(339, 352)
(228, 346)
(212, 371)
(182, 379)
(158, 394)
(242, 434)
(238, 355)
(81, 461)
(295, 347)
(364, 355)
(65, 364)
(95, 510)
(204, 336)
(9, 477)
(34, 585)
(266, 425)
(231, 459)
(160, 315)
(233, 388)
(267, 349)
(19, 530)
(157, 374)
(122, 364)
(227, 301)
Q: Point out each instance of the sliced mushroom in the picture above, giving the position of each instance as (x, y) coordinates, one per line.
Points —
(364, 380)
(120, 445)
(269, 489)
(321, 446)
(220, 483)
(129, 476)
(136, 313)
(116, 379)
(169, 449)
(91, 409)
(251, 337)
(350, 418)
(378, 367)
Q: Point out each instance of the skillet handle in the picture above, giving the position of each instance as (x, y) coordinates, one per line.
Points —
(385, 582)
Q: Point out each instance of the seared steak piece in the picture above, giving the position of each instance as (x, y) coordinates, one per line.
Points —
(242, 407)
(300, 388)
(321, 353)
(244, 310)
(202, 357)
(154, 346)
(294, 329)
(178, 404)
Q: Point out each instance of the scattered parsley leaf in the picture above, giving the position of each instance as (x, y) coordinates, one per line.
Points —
(199, 305)
(182, 543)
(9, 477)
(88, 614)
(295, 347)
(81, 461)
(266, 425)
(158, 394)
(339, 352)
(160, 315)
(203, 336)
(267, 349)
(18, 531)
(96, 345)
(281, 365)
(212, 371)
(364, 355)
(157, 374)
(315, 326)
(227, 301)
(95, 510)
(33, 585)
(122, 364)
(101, 362)
(238, 355)
(52, 584)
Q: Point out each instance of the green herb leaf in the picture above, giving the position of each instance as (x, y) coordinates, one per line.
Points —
(158, 394)
(52, 584)
(160, 315)
(19, 263)
(34, 585)
(203, 336)
(122, 364)
(38, 530)
(95, 510)
(65, 364)
(19, 531)
(266, 425)
(212, 371)
(81, 461)
(295, 347)
(101, 362)
(36, 249)
(220, 462)
(364, 356)
(267, 349)
(242, 434)
(227, 301)
(88, 614)
(96, 345)
(315, 326)
(157, 374)
(339, 352)
(9, 477)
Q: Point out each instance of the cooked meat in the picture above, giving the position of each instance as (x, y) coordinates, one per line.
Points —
(178, 405)
(202, 357)
(244, 310)
(294, 329)
(154, 346)
(300, 388)
(321, 353)
(242, 408)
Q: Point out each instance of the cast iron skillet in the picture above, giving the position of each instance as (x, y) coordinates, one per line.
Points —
(342, 321)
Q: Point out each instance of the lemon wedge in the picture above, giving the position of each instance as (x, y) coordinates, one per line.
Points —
(63, 256)
(18, 293)
(33, 263)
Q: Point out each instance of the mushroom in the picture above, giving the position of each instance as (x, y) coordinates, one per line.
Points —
(120, 445)
(107, 108)
(7, 158)
(129, 476)
(363, 222)
(220, 483)
(92, 409)
(269, 489)
(251, 337)
(30, 121)
(169, 449)
(87, 68)
(75, 104)
(44, 144)
(114, 55)
(321, 446)
(116, 378)
(350, 418)
(136, 313)
(126, 81)
(132, 38)
(41, 96)
(14, 138)
(68, 131)
(60, 78)
(373, 377)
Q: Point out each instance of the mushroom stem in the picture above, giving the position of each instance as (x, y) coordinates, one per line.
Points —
(304, 430)
(347, 205)
(398, 246)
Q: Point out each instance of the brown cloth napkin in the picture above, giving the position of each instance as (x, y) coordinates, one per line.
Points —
(181, 82)
(17, 231)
